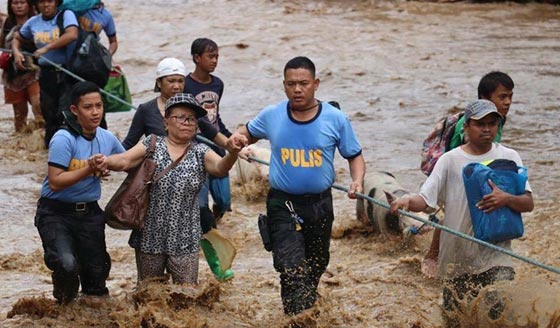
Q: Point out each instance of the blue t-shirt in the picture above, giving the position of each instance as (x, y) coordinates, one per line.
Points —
(302, 153)
(44, 32)
(70, 152)
(97, 19)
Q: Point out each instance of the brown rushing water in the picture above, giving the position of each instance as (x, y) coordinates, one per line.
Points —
(395, 67)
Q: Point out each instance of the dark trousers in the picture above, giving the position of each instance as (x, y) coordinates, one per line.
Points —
(73, 237)
(468, 286)
(207, 218)
(220, 191)
(54, 96)
(301, 257)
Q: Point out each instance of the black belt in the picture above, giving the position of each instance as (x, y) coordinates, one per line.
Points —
(67, 207)
(304, 198)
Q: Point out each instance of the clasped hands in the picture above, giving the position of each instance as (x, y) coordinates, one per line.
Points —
(98, 164)
(236, 144)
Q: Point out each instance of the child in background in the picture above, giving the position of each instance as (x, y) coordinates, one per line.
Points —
(208, 89)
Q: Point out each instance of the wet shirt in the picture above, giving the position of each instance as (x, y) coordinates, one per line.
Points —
(172, 224)
(302, 153)
(98, 19)
(459, 256)
(44, 32)
(70, 152)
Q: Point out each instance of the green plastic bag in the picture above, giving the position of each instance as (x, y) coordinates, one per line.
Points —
(117, 86)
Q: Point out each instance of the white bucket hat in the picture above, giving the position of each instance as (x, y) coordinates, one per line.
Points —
(169, 66)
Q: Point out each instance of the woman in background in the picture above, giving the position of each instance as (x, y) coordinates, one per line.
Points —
(21, 86)
(51, 44)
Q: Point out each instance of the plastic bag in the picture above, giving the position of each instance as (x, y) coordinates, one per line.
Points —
(504, 223)
(118, 87)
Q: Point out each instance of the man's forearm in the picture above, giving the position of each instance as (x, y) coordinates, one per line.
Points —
(357, 168)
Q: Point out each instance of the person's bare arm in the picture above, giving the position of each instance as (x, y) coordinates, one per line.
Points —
(239, 139)
(19, 59)
(219, 166)
(113, 44)
(124, 161)
(221, 140)
(70, 34)
(2, 35)
(60, 179)
(412, 202)
(357, 167)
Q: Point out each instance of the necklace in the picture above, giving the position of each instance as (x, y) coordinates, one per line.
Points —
(305, 109)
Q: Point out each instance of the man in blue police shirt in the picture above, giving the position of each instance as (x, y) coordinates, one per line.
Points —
(303, 133)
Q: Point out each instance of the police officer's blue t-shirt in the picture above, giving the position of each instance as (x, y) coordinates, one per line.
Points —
(302, 153)
(70, 152)
(98, 19)
(44, 32)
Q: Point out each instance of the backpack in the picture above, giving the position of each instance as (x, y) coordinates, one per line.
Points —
(79, 7)
(437, 142)
(90, 60)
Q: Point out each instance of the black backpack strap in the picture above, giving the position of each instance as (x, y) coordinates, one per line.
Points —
(60, 21)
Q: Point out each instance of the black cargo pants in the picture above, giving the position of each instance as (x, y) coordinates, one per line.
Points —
(54, 97)
(73, 237)
(301, 257)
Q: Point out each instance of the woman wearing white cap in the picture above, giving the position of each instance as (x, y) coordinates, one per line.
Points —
(148, 119)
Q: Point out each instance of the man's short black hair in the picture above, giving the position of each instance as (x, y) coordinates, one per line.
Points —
(200, 45)
(80, 89)
(491, 81)
(300, 62)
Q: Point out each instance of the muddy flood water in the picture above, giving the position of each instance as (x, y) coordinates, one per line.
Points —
(395, 68)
